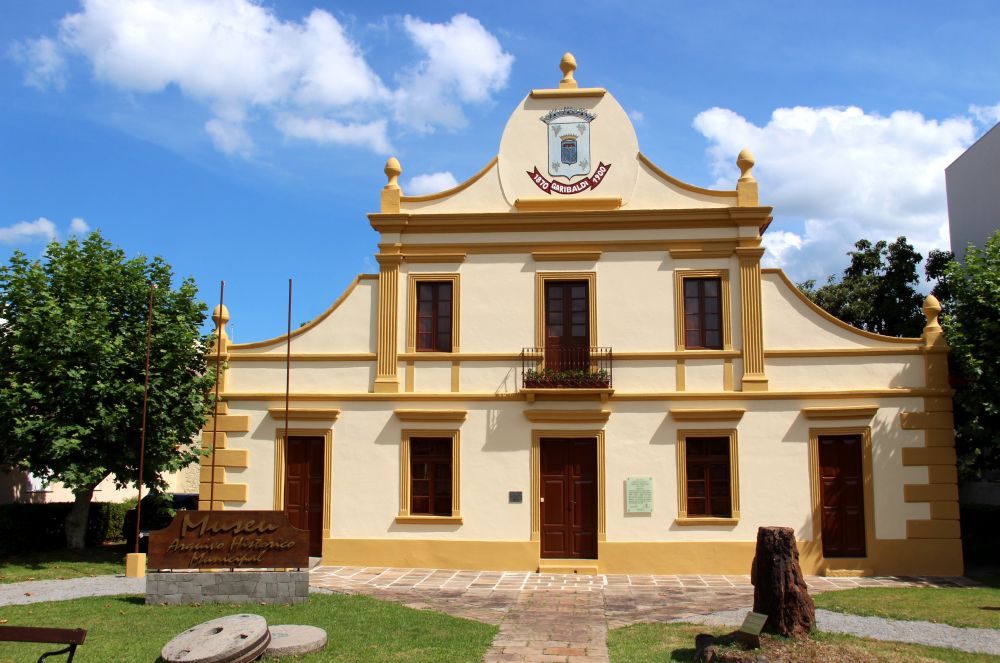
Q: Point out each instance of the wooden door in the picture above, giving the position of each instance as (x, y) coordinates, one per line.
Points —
(567, 325)
(304, 487)
(842, 496)
(569, 498)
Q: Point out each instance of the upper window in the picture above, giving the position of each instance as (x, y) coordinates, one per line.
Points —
(434, 316)
(703, 313)
(702, 306)
(432, 313)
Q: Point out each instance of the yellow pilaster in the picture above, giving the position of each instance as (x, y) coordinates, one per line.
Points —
(386, 378)
(752, 319)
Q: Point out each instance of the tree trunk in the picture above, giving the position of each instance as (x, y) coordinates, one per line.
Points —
(76, 520)
(779, 590)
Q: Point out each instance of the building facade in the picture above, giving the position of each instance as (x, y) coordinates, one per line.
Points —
(574, 361)
(973, 194)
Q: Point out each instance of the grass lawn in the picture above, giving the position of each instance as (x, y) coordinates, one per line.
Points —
(653, 643)
(122, 629)
(977, 607)
(58, 564)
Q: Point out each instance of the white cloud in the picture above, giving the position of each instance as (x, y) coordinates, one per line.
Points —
(240, 60)
(40, 228)
(638, 117)
(321, 130)
(430, 183)
(78, 226)
(844, 172)
(43, 62)
(464, 64)
(985, 115)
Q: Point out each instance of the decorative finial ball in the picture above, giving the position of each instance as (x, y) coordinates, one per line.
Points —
(220, 314)
(568, 64)
(745, 161)
(392, 168)
(932, 307)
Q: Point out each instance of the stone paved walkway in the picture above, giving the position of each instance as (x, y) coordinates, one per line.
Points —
(550, 617)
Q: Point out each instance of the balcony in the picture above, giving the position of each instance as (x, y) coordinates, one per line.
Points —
(548, 370)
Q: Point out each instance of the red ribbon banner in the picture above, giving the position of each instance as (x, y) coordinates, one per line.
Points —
(548, 186)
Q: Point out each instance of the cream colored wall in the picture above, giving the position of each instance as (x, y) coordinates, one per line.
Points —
(306, 376)
(840, 373)
(641, 438)
(556, 238)
(791, 323)
(432, 376)
(498, 311)
(483, 195)
(653, 192)
(348, 328)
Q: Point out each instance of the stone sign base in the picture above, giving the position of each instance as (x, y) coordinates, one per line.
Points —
(185, 588)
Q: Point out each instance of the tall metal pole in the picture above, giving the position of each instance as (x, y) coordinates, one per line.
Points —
(288, 360)
(215, 404)
(145, 401)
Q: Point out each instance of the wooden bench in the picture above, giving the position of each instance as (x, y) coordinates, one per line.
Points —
(56, 636)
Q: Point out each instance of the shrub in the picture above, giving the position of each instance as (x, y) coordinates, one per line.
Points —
(35, 527)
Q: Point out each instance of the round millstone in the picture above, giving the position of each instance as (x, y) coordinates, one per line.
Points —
(294, 640)
(232, 639)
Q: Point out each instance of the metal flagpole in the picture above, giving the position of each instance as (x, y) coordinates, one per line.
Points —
(215, 404)
(288, 360)
(145, 401)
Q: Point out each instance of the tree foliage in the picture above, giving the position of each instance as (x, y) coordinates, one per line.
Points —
(971, 320)
(877, 292)
(72, 368)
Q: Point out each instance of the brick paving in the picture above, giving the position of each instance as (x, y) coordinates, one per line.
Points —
(553, 617)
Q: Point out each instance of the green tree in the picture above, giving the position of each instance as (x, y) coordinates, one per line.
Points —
(877, 292)
(971, 320)
(72, 369)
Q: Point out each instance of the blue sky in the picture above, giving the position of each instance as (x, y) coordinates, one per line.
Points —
(245, 141)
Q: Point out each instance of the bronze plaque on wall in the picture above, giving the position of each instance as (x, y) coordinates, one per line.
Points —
(229, 539)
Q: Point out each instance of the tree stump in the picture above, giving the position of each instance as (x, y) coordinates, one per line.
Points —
(779, 590)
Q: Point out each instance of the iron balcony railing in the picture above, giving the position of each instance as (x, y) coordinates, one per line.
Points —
(561, 368)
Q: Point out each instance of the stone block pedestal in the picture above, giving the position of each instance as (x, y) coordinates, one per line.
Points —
(185, 588)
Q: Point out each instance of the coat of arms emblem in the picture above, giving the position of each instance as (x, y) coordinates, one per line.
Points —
(568, 132)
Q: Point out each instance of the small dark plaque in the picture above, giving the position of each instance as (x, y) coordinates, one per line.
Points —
(229, 539)
(514, 497)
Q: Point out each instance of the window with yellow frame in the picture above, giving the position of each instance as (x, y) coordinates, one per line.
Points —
(429, 477)
(708, 487)
(702, 309)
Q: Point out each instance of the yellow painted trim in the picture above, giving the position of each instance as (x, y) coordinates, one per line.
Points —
(728, 375)
(942, 474)
(915, 456)
(662, 174)
(135, 565)
(933, 529)
(386, 380)
(456, 376)
(280, 451)
(438, 251)
(699, 254)
(404, 473)
(586, 219)
(411, 310)
(868, 488)
(228, 458)
(568, 416)
(932, 492)
(562, 93)
(224, 492)
(541, 278)
(433, 257)
(568, 567)
(305, 414)
(707, 414)
(408, 377)
(220, 440)
(584, 394)
(837, 321)
(839, 352)
(584, 256)
(840, 412)
(589, 204)
(429, 520)
(536, 489)
(726, 305)
(734, 471)
(431, 415)
(306, 356)
(939, 437)
(702, 522)
(942, 557)
(205, 475)
(926, 420)
(944, 510)
(566, 394)
(309, 325)
(453, 190)
(228, 423)
(680, 376)
(752, 318)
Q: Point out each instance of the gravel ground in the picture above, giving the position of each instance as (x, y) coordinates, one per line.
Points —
(35, 591)
(975, 640)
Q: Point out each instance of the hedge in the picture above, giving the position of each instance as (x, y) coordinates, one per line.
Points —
(34, 527)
